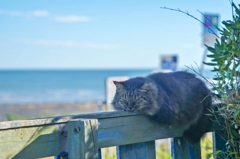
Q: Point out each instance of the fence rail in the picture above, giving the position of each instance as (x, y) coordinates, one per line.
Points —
(82, 136)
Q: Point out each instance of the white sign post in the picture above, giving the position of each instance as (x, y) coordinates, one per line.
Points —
(111, 89)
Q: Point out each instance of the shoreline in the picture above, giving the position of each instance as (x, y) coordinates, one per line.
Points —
(36, 110)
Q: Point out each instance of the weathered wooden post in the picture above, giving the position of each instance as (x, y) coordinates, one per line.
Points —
(219, 144)
(83, 139)
(180, 149)
(145, 150)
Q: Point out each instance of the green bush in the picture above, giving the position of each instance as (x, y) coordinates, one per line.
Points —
(225, 60)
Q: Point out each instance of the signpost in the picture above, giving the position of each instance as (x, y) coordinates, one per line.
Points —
(111, 89)
(209, 32)
(210, 28)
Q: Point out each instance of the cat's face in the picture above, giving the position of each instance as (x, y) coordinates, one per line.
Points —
(135, 99)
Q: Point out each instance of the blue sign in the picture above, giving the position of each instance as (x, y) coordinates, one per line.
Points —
(169, 62)
(210, 22)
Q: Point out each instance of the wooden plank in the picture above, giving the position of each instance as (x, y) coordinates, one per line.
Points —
(133, 129)
(180, 149)
(113, 130)
(144, 150)
(28, 142)
(63, 119)
(82, 139)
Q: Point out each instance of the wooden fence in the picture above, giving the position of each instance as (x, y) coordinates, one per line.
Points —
(83, 136)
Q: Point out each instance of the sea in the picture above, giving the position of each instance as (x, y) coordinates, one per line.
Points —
(44, 86)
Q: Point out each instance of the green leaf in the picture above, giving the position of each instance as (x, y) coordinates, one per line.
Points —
(211, 49)
(220, 58)
(218, 78)
(218, 152)
(215, 68)
(235, 115)
(223, 67)
(211, 56)
(214, 89)
(225, 33)
(210, 63)
(237, 73)
(217, 43)
(236, 9)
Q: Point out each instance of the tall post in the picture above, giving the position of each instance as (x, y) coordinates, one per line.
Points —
(203, 59)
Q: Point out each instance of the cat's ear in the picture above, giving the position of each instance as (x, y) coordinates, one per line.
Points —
(144, 87)
(119, 85)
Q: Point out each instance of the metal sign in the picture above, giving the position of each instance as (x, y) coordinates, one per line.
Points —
(210, 23)
(210, 28)
(169, 63)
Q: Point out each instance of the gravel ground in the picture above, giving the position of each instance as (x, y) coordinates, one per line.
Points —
(35, 110)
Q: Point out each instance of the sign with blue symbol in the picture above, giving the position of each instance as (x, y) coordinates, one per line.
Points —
(169, 63)
(210, 23)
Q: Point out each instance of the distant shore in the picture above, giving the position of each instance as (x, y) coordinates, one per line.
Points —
(36, 110)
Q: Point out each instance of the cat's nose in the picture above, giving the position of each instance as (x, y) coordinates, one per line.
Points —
(130, 107)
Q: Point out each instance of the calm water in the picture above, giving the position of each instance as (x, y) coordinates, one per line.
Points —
(25, 86)
(57, 85)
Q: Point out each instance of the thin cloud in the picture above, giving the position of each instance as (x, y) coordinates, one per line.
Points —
(27, 14)
(69, 44)
(45, 13)
(71, 18)
(40, 13)
(102, 46)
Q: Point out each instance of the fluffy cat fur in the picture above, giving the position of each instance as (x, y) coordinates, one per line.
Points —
(177, 98)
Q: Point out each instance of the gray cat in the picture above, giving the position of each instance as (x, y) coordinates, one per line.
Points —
(177, 98)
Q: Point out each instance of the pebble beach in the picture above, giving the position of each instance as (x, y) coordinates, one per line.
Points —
(38, 110)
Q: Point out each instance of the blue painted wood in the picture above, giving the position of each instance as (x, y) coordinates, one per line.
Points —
(218, 144)
(180, 149)
(145, 150)
(99, 154)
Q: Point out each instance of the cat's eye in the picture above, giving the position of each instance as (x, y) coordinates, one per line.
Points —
(142, 100)
(142, 90)
(123, 101)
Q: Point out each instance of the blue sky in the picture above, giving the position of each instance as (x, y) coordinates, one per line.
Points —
(78, 34)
